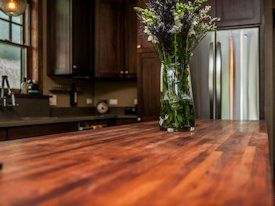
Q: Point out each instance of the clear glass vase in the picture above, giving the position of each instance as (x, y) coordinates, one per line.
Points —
(177, 111)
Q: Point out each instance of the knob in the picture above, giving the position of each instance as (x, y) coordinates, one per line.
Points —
(138, 46)
(126, 72)
(74, 67)
(121, 72)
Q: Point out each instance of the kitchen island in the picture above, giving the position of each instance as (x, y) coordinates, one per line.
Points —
(220, 163)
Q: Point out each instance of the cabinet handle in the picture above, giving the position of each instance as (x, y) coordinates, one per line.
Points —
(139, 46)
(121, 72)
(74, 67)
(126, 72)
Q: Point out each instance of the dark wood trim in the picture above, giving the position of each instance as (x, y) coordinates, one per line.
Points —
(13, 44)
(262, 69)
(29, 50)
(267, 52)
(40, 46)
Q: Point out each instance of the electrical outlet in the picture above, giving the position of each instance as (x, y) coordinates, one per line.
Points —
(135, 101)
(113, 101)
(89, 101)
(53, 100)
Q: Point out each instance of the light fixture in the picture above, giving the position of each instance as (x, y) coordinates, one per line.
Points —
(13, 7)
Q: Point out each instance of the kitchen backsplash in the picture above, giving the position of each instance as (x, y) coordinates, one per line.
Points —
(33, 106)
(117, 93)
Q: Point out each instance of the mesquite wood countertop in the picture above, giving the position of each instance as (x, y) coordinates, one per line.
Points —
(221, 163)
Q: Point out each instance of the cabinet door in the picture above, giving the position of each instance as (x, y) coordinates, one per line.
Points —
(39, 130)
(109, 46)
(58, 37)
(80, 48)
(122, 121)
(212, 3)
(148, 86)
(142, 44)
(68, 37)
(131, 39)
(238, 12)
(3, 134)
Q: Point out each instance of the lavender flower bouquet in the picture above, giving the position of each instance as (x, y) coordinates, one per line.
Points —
(175, 27)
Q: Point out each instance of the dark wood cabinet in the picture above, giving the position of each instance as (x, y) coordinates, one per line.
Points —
(212, 3)
(69, 37)
(122, 121)
(96, 124)
(115, 38)
(39, 130)
(148, 86)
(238, 12)
(142, 44)
(148, 76)
(130, 22)
(3, 134)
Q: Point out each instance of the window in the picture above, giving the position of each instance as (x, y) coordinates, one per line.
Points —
(14, 46)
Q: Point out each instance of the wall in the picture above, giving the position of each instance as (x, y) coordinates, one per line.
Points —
(125, 92)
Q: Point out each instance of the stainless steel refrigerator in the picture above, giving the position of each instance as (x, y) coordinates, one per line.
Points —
(225, 75)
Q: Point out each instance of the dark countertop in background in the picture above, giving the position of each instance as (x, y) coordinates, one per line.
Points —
(24, 121)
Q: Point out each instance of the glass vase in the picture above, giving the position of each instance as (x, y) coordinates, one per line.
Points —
(177, 111)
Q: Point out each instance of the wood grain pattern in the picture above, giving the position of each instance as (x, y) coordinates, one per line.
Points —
(221, 163)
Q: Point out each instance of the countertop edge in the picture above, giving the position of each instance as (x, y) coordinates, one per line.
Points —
(27, 121)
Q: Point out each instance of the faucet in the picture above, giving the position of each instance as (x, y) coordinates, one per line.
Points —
(10, 93)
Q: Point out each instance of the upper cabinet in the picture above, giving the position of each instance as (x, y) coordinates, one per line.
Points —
(69, 37)
(142, 44)
(115, 38)
(238, 12)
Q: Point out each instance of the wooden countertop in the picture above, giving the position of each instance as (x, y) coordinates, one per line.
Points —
(221, 163)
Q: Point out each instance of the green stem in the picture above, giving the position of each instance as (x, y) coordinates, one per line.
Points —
(186, 60)
(175, 116)
(175, 48)
(164, 56)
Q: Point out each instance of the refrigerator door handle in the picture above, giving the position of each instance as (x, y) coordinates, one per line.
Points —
(218, 81)
(211, 79)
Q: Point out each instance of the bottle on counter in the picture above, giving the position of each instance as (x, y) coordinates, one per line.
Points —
(33, 87)
(73, 95)
(24, 86)
(29, 83)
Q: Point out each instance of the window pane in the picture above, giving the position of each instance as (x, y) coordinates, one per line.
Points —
(17, 19)
(10, 64)
(16, 34)
(3, 15)
(4, 30)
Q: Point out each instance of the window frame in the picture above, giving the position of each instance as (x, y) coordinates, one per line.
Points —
(26, 42)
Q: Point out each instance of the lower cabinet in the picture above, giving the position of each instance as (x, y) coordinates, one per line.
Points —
(38, 130)
(148, 86)
(121, 121)
(3, 134)
(96, 124)
(19, 132)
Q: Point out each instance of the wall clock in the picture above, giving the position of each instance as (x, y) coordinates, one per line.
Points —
(102, 107)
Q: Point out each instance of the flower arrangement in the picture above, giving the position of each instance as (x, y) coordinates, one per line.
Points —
(175, 27)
